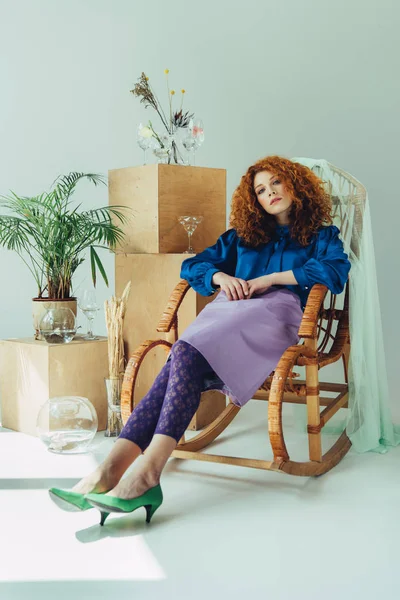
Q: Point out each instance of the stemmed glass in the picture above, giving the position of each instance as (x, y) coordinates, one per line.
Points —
(144, 139)
(194, 137)
(189, 142)
(198, 134)
(189, 223)
(89, 307)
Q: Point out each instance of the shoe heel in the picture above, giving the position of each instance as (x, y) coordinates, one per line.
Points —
(104, 516)
(150, 510)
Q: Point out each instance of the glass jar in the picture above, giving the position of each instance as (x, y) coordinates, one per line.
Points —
(114, 420)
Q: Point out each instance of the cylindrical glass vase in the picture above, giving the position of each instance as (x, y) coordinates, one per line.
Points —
(114, 420)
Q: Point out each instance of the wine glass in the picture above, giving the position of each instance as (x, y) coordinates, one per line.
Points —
(198, 135)
(188, 141)
(89, 307)
(189, 224)
(144, 138)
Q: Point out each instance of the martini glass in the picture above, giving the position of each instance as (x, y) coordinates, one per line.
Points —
(189, 224)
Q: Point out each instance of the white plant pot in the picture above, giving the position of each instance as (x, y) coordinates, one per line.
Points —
(40, 305)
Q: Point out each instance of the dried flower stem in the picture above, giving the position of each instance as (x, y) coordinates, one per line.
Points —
(115, 310)
(160, 108)
(170, 102)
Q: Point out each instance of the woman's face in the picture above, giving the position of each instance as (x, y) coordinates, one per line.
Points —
(272, 195)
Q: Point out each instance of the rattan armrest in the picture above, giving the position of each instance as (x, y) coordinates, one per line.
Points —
(308, 325)
(315, 302)
(175, 300)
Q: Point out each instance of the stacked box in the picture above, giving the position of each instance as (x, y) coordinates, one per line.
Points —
(152, 253)
(33, 371)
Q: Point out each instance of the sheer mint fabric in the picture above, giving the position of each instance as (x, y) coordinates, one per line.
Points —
(368, 420)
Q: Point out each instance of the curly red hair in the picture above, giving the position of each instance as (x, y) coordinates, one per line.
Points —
(311, 208)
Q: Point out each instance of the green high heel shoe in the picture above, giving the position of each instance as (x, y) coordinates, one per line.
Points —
(69, 501)
(151, 500)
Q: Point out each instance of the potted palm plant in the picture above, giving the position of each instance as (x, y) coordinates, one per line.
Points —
(51, 238)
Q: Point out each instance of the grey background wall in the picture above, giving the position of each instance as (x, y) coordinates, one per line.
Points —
(312, 78)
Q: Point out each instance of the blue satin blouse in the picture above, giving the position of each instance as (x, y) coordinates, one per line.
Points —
(322, 261)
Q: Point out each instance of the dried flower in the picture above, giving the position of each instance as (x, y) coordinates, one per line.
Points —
(180, 119)
(176, 119)
(143, 91)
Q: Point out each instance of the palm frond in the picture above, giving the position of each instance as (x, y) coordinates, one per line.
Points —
(64, 185)
(50, 236)
(103, 214)
(14, 234)
(97, 262)
(89, 233)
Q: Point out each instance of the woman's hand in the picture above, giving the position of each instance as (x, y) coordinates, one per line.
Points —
(260, 284)
(234, 288)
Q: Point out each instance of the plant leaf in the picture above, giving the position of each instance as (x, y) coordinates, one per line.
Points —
(93, 265)
(100, 265)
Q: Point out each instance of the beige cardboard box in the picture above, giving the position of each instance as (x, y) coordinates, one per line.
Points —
(153, 278)
(158, 194)
(32, 371)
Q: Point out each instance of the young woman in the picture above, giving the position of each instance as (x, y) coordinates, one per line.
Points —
(281, 242)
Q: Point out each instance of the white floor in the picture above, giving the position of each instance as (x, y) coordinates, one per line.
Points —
(222, 531)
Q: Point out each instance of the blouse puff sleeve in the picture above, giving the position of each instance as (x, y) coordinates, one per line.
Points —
(198, 270)
(330, 265)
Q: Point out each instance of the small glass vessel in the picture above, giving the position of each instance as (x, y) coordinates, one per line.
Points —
(114, 421)
(163, 149)
(67, 424)
(194, 137)
(144, 139)
(189, 143)
(88, 305)
(190, 223)
(58, 325)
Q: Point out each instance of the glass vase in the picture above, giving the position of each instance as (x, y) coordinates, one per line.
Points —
(168, 150)
(114, 419)
(176, 157)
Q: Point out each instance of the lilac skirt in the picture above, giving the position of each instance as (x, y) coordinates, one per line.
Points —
(243, 340)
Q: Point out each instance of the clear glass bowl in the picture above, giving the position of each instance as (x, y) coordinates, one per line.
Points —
(67, 424)
(58, 325)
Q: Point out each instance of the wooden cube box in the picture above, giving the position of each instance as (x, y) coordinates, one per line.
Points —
(33, 371)
(158, 194)
(154, 277)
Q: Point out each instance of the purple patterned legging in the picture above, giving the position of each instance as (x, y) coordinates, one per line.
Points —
(172, 400)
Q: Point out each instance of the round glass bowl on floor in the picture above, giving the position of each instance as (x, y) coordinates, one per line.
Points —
(67, 424)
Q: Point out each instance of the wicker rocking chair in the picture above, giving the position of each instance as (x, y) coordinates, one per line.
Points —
(324, 333)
